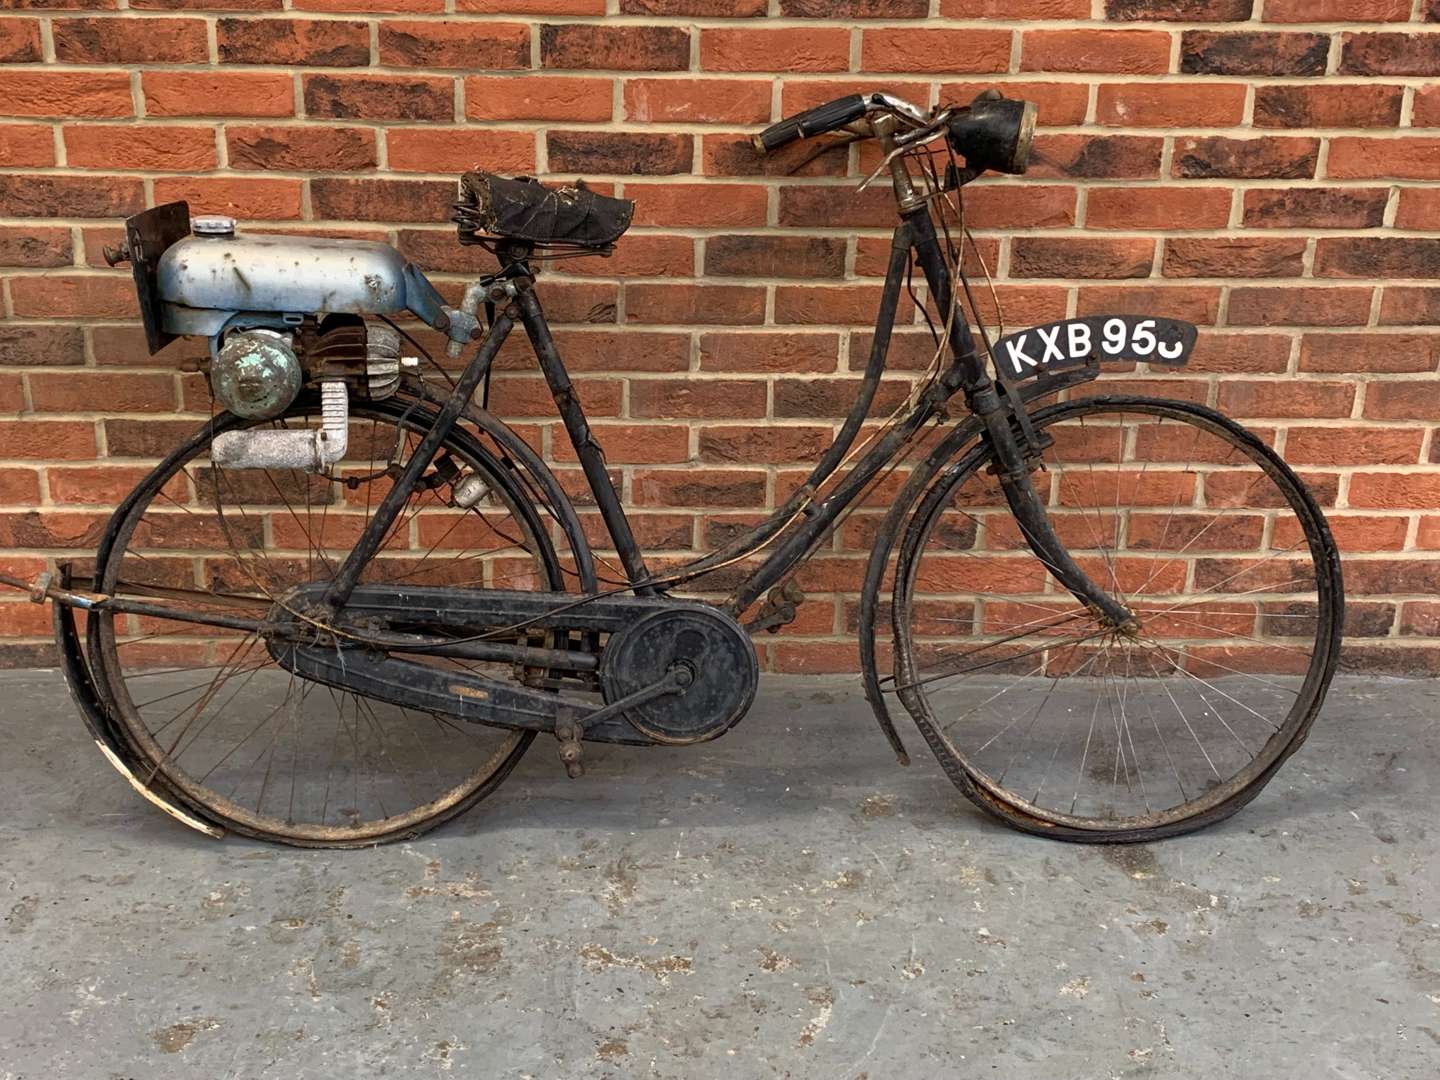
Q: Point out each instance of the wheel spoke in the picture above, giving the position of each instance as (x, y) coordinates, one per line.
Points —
(1100, 728)
(229, 727)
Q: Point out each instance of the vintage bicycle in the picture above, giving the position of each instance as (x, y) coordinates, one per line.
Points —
(342, 610)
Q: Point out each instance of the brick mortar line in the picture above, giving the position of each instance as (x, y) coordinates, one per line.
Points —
(1280, 425)
(699, 276)
(628, 125)
(1359, 184)
(1018, 24)
(1000, 78)
(1099, 234)
(652, 179)
(789, 468)
(829, 329)
(47, 42)
(726, 329)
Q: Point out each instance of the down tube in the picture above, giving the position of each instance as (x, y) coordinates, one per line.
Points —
(798, 542)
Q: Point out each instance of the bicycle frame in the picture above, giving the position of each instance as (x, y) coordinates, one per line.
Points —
(915, 234)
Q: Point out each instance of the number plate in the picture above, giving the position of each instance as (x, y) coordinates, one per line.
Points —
(1075, 342)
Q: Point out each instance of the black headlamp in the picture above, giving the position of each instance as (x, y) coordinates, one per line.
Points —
(994, 134)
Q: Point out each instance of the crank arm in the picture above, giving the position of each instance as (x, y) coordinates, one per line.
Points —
(676, 681)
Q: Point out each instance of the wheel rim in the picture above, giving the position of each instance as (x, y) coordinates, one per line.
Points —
(1079, 726)
(212, 714)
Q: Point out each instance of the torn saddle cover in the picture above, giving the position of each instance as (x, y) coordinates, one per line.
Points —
(524, 209)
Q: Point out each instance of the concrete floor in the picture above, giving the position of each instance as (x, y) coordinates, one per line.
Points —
(783, 902)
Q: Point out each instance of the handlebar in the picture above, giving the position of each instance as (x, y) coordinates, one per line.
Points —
(992, 132)
(816, 121)
(832, 116)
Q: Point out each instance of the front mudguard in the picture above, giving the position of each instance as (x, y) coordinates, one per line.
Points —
(961, 436)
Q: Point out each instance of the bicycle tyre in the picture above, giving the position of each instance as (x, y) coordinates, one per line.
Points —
(113, 675)
(1317, 626)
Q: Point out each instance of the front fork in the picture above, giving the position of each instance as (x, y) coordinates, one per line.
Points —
(1028, 508)
(969, 374)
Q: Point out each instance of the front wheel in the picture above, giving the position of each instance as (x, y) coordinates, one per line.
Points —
(1061, 723)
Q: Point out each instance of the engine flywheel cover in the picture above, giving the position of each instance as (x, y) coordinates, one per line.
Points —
(705, 640)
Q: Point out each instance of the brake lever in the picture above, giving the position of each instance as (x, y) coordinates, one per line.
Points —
(855, 132)
(899, 151)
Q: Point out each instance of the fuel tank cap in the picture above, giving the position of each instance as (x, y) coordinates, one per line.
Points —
(213, 225)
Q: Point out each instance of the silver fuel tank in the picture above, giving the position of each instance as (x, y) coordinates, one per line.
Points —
(205, 279)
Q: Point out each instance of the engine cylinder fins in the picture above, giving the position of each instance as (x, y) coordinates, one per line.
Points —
(364, 352)
(711, 645)
(382, 359)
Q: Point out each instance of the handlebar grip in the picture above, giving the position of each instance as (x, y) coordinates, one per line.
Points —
(816, 121)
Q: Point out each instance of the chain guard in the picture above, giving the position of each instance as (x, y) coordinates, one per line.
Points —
(648, 637)
(705, 640)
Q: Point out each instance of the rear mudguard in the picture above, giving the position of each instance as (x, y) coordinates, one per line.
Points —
(79, 670)
(104, 731)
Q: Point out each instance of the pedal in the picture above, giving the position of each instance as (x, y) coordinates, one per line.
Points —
(569, 732)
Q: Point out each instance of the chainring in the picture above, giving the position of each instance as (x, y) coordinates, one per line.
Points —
(708, 642)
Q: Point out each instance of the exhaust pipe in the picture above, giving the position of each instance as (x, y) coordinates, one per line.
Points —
(314, 450)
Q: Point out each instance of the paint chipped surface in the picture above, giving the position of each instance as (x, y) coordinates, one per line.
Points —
(612, 1049)
(824, 1001)
(661, 967)
(770, 960)
(878, 806)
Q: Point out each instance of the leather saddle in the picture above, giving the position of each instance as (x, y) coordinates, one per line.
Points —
(522, 208)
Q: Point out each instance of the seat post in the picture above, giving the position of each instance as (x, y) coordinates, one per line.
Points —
(510, 252)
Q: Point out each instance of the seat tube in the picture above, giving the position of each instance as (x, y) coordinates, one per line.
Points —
(592, 458)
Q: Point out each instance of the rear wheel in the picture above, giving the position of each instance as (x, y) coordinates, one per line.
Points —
(228, 731)
(1063, 725)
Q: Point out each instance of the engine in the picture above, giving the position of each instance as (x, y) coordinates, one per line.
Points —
(258, 371)
(282, 313)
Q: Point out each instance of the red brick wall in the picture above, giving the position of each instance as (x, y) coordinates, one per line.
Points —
(1265, 168)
